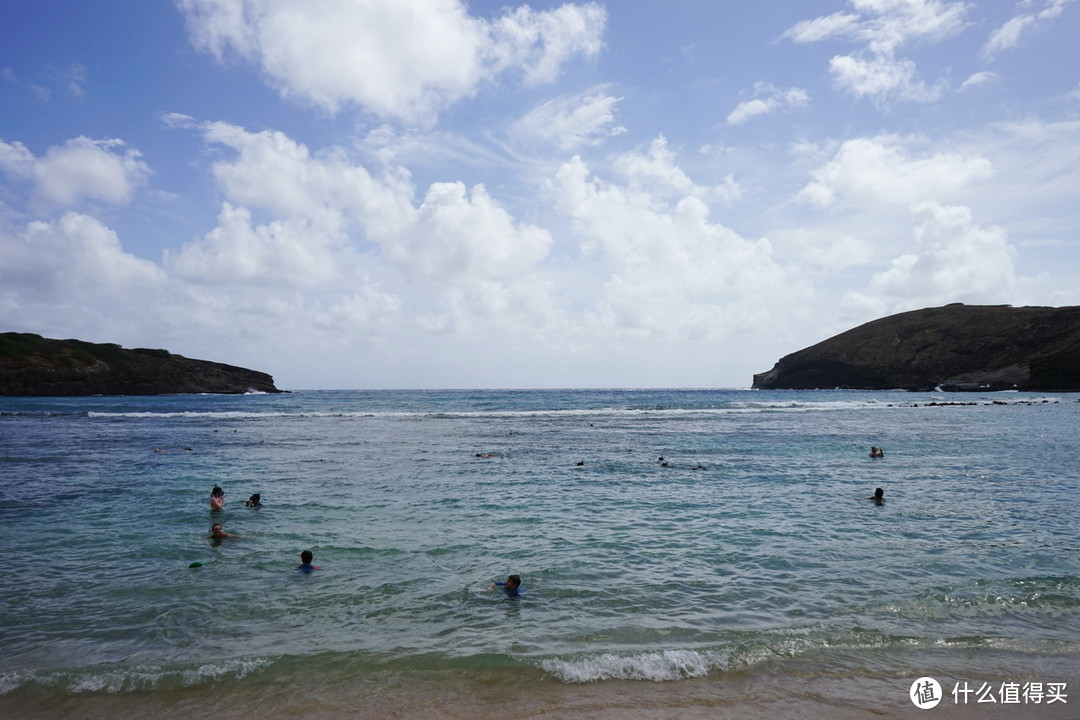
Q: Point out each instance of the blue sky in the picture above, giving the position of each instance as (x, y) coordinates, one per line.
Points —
(431, 193)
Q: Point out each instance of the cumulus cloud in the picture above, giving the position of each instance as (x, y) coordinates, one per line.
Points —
(672, 272)
(767, 99)
(287, 253)
(571, 122)
(1010, 33)
(403, 59)
(655, 172)
(273, 172)
(320, 223)
(79, 169)
(885, 169)
(882, 28)
(71, 259)
(955, 260)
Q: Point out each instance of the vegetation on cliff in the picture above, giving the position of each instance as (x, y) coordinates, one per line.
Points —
(955, 347)
(33, 365)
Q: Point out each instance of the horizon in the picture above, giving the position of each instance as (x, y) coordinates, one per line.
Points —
(434, 194)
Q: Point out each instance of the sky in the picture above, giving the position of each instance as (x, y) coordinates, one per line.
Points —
(448, 194)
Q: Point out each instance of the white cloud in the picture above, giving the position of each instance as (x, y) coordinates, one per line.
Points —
(671, 272)
(885, 25)
(774, 99)
(458, 234)
(656, 173)
(80, 169)
(1010, 33)
(70, 260)
(328, 226)
(404, 59)
(881, 79)
(540, 42)
(882, 28)
(570, 122)
(979, 78)
(885, 170)
(273, 172)
(956, 260)
(282, 253)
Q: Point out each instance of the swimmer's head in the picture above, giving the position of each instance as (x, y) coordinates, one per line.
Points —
(513, 582)
(306, 557)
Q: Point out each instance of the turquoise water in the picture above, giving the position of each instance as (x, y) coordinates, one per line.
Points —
(753, 554)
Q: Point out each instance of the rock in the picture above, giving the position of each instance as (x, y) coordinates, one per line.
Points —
(33, 365)
(955, 347)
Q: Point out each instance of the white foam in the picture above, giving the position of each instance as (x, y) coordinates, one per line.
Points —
(656, 666)
(140, 677)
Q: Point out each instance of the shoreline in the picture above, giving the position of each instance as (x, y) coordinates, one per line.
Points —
(839, 685)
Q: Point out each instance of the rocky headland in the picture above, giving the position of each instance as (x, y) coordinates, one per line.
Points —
(955, 347)
(36, 366)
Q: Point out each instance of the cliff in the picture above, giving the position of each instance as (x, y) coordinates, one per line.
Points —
(33, 365)
(955, 347)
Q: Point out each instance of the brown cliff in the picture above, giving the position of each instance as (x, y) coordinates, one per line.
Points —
(955, 347)
(33, 365)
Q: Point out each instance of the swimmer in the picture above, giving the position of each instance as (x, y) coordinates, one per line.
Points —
(218, 533)
(483, 455)
(510, 587)
(254, 501)
(876, 452)
(878, 497)
(305, 562)
(217, 498)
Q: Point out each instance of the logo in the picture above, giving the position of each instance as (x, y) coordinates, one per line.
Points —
(925, 693)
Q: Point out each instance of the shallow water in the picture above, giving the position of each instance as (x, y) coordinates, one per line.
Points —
(753, 558)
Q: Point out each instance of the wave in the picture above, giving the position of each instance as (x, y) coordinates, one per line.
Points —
(658, 411)
(658, 666)
(125, 679)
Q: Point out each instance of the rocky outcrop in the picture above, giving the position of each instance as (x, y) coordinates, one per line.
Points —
(955, 347)
(33, 365)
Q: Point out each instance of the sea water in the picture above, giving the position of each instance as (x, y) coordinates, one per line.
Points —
(744, 574)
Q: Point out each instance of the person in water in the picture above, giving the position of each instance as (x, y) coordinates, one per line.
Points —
(217, 498)
(305, 562)
(510, 587)
(876, 452)
(878, 497)
(218, 533)
(254, 501)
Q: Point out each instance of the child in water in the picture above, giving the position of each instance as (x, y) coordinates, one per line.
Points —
(510, 587)
(305, 562)
(217, 498)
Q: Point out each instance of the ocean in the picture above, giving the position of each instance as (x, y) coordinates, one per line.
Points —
(744, 575)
